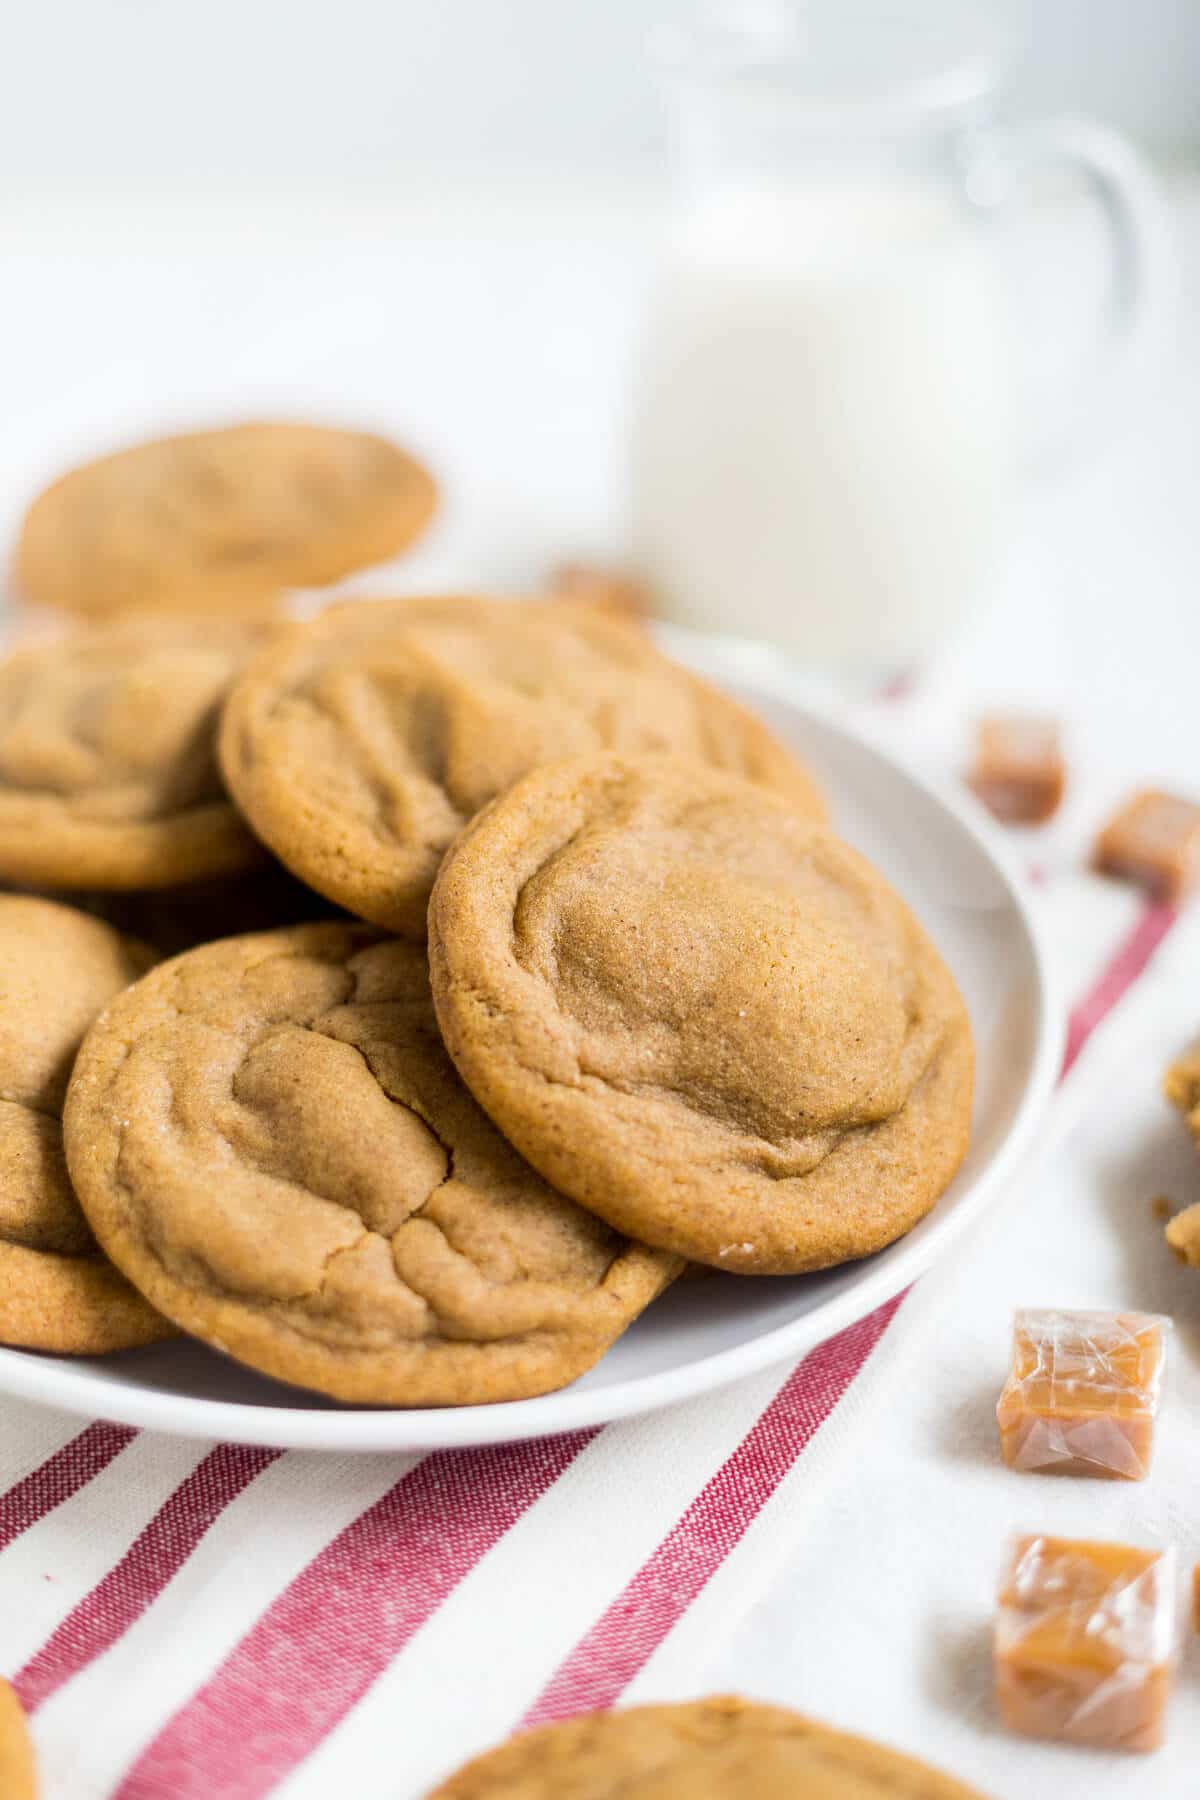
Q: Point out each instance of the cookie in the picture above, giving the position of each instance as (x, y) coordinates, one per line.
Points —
(108, 774)
(220, 521)
(58, 969)
(719, 1749)
(701, 1014)
(360, 744)
(270, 1141)
(18, 1780)
(1182, 1088)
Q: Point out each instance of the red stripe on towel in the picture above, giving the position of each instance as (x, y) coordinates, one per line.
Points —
(60, 1476)
(1117, 977)
(605, 1661)
(328, 1636)
(130, 1586)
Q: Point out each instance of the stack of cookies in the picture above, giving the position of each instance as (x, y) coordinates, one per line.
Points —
(514, 969)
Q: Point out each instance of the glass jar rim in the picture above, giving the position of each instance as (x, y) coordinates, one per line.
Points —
(907, 60)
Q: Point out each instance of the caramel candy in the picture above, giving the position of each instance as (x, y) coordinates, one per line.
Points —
(1085, 1642)
(1154, 839)
(1082, 1393)
(1019, 772)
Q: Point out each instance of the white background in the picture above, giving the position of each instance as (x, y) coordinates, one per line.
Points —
(146, 94)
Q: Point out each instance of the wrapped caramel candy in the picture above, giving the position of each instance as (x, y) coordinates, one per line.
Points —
(1085, 1642)
(1082, 1392)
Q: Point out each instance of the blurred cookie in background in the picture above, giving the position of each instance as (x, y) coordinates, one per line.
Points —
(220, 521)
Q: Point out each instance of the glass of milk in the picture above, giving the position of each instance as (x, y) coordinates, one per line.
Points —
(826, 445)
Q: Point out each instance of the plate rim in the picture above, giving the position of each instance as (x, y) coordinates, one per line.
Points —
(53, 1382)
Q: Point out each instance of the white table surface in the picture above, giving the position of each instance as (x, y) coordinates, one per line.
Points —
(493, 330)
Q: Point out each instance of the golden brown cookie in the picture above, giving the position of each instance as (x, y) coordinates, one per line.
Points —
(108, 774)
(18, 1779)
(220, 521)
(269, 1139)
(58, 969)
(360, 744)
(719, 1749)
(1182, 1088)
(700, 1014)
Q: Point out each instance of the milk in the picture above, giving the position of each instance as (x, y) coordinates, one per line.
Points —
(822, 451)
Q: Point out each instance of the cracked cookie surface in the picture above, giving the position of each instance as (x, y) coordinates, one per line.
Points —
(108, 771)
(724, 1748)
(700, 1014)
(269, 1139)
(221, 521)
(58, 969)
(361, 743)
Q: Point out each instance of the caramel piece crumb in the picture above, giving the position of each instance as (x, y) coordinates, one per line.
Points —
(1085, 1641)
(589, 584)
(1161, 1207)
(1082, 1393)
(1154, 840)
(1018, 771)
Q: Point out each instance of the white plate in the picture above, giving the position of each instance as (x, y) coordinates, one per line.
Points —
(705, 1333)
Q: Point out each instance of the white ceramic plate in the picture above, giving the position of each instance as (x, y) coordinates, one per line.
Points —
(705, 1333)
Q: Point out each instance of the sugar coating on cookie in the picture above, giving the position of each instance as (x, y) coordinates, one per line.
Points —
(269, 1139)
(701, 1014)
(220, 521)
(723, 1748)
(58, 970)
(108, 773)
(359, 745)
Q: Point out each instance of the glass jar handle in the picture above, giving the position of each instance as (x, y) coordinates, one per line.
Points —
(1131, 205)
